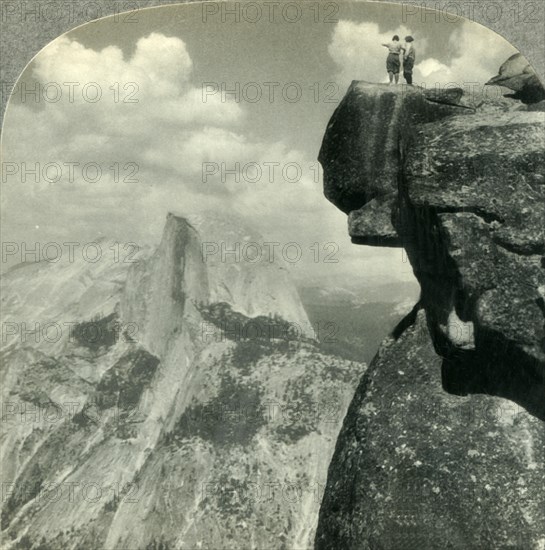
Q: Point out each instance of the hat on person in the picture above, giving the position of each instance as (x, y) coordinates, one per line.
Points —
(409, 39)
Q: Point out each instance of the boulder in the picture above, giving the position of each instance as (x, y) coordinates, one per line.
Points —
(443, 445)
(418, 468)
(459, 182)
(360, 150)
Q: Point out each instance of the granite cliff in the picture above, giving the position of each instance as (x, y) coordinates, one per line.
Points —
(179, 400)
(443, 444)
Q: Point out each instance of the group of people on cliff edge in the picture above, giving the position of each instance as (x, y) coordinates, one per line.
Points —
(398, 52)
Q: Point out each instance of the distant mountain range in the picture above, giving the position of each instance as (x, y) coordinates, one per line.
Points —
(361, 317)
(328, 292)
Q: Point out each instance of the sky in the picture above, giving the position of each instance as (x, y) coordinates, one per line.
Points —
(165, 137)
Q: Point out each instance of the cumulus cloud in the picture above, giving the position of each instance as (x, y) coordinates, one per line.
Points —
(160, 65)
(136, 133)
(147, 102)
(151, 134)
(476, 54)
(357, 50)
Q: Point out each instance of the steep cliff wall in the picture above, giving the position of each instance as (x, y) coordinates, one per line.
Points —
(158, 421)
(459, 182)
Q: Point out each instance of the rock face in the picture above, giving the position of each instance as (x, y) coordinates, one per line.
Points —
(418, 468)
(378, 117)
(176, 412)
(462, 189)
(474, 197)
(518, 75)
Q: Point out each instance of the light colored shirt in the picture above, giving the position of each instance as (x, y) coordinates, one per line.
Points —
(395, 47)
(409, 50)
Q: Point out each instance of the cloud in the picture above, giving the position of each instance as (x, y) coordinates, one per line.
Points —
(157, 56)
(431, 66)
(160, 65)
(476, 55)
(169, 133)
(357, 49)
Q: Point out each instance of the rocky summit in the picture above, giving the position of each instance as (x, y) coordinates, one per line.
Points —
(443, 444)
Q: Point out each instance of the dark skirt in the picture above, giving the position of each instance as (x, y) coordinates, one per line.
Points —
(392, 63)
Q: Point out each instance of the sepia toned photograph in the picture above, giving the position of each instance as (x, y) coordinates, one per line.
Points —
(273, 278)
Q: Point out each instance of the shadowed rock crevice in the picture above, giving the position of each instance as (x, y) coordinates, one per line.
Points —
(476, 359)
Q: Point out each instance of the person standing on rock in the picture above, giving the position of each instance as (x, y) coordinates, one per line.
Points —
(393, 62)
(409, 57)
